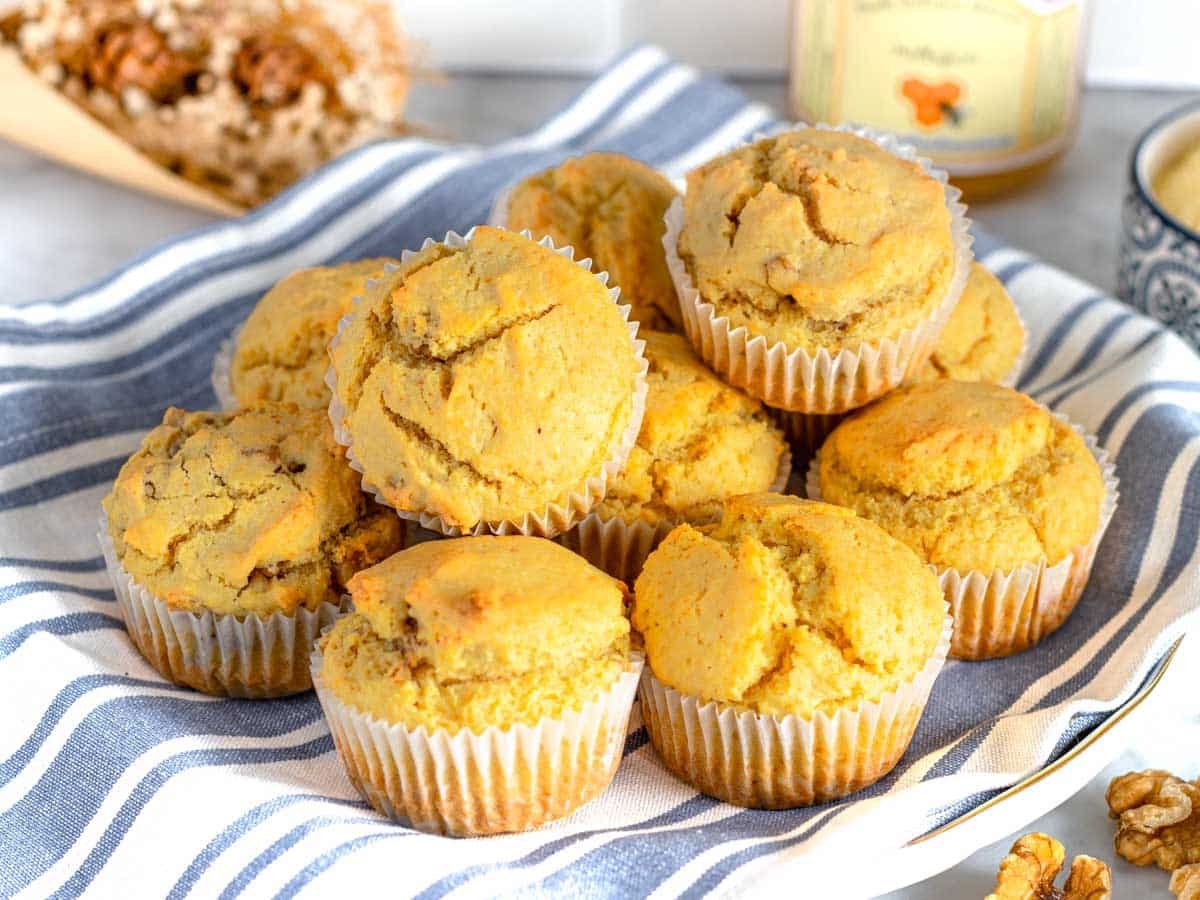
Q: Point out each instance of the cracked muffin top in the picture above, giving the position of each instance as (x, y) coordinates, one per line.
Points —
(484, 383)
(970, 475)
(786, 606)
(610, 208)
(701, 441)
(478, 632)
(983, 336)
(245, 513)
(817, 239)
(281, 351)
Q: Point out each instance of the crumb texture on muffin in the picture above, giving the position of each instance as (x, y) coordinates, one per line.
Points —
(282, 350)
(983, 337)
(817, 239)
(701, 441)
(609, 208)
(786, 606)
(972, 476)
(245, 513)
(483, 383)
(478, 632)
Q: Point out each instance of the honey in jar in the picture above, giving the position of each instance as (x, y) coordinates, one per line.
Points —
(987, 89)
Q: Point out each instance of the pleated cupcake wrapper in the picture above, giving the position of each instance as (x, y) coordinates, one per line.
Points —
(818, 383)
(1006, 611)
(781, 762)
(222, 372)
(557, 516)
(219, 654)
(498, 214)
(620, 548)
(1014, 374)
(502, 780)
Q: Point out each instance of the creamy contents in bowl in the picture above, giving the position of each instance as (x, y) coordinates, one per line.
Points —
(1177, 187)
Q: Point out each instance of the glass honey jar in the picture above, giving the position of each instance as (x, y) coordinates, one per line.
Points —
(987, 89)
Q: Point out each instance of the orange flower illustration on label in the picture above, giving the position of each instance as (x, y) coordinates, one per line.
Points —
(933, 103)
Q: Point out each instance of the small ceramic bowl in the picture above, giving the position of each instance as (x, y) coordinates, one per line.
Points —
(1159, 269)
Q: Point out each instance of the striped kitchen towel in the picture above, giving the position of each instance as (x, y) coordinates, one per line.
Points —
(115, 782)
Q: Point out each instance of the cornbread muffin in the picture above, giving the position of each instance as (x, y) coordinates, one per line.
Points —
(786, 606)
(1177, 187)
(817, 239)
(281, 351)
(972, 476)
(245, 513)
(477, 632)
(983, 337)
(482, 383)
(610, 208)
(701, 441)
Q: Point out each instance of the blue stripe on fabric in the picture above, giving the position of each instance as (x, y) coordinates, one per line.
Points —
(39, 828)
(1053, 341)
(1139, 347)
(1087, 356)
(285, 842)
(22, 588)
(209, 267)
(63, 700)
(73, 623)
(92, 564)
(718, 872)
(332, 856)
(238, 829)
(67, 482)
(680, 813)
(1121, 406)
(160, 775)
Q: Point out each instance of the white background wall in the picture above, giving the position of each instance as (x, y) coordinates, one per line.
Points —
(1131, 42)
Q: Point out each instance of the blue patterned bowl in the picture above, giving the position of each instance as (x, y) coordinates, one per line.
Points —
(1159, 269)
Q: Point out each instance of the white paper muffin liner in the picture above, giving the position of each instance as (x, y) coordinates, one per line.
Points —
(780, 762)
(498, 214)
(251, 657)
(222, 372)
(557, 516)
(819, 383)
(1006, 611)
(502, 780)
(620, 548)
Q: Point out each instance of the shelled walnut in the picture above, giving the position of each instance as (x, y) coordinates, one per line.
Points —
(1033, 864)
(1185, 882)
(240, 96)
(1159, 818)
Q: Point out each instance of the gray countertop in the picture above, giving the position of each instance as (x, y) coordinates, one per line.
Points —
(62, 230)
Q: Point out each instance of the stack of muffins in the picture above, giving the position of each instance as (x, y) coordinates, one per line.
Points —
(493, 390)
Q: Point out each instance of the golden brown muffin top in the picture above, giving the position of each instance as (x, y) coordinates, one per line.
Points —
(282, 350)
(472, 632)
(483, 383)
(610, 208)
(817, 239)
(787, 606)
(701, 441)
(983, 337)
(245, 513)
(970, 475)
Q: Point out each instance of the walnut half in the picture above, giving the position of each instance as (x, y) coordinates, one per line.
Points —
(1185, 882)
(1159, 818)
(1029, 870)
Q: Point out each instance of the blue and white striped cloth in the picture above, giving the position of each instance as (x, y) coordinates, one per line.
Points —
(114, 782)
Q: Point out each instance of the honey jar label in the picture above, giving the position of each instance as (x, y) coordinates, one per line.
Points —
(979, 86)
